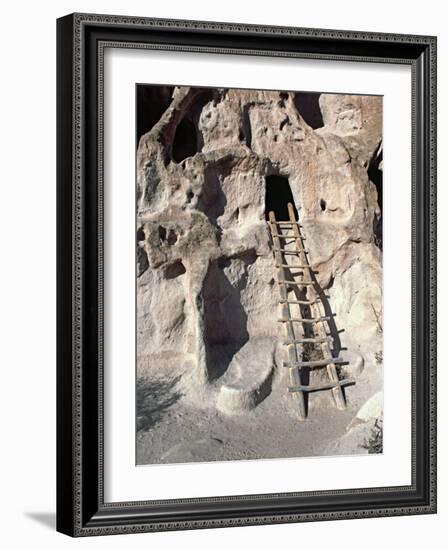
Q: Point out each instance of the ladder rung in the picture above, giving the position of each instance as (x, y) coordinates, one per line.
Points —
(293, 237)
(287, 223)
(301, 302)
(322, 387)
(290, 252)
(318, 363)
(298, 283)
(299, 320)
(295, 266)
(305, 341)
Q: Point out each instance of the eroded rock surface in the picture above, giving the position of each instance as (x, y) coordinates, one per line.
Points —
(247, 381)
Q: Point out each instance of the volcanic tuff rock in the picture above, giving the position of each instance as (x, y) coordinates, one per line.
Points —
(206, 275)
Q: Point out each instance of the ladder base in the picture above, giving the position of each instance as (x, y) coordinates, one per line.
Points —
(318, 363)
(322, 387)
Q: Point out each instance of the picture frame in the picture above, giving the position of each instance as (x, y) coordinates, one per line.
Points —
(81, 506)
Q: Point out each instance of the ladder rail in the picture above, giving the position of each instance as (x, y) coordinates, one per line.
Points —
(316, 311)
(294, 374)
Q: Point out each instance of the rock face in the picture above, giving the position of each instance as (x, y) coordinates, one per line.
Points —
(206, 275)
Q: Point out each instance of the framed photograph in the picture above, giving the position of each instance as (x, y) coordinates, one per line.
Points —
(246, 274)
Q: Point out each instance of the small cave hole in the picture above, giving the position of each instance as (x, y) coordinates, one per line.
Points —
(140, 234)
(172, 237)
(307, 103)
(185, 140)
(142, 257)
(162, 233)
(174, 270)
(323, 205)
(246, 129)
(142, 261)
(283, 123)
(278, 195)
(190, 196)
(283, 97)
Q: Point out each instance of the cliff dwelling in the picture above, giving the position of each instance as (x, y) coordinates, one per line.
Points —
(256, 208)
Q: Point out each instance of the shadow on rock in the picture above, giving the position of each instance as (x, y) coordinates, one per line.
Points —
(153, 399)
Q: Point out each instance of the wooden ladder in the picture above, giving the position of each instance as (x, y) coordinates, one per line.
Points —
(300, 330)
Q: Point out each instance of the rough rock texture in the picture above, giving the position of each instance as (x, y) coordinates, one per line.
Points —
(206, 276)
(247, 380)
(371, 410)
(364, 433)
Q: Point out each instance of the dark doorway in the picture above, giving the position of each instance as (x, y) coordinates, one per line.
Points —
(278, 194)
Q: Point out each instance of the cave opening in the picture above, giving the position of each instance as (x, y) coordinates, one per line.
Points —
(185, 140)
(188, 139)
(307, 103)
(174, 270)
(278, 195)
(151, 101)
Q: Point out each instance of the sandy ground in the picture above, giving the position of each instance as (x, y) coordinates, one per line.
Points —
(175, 431)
